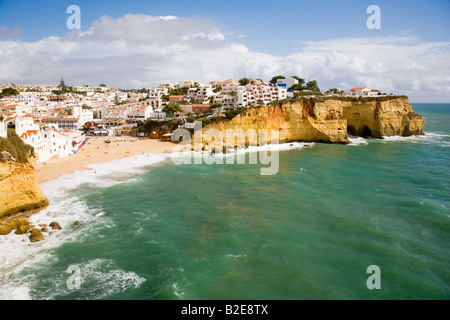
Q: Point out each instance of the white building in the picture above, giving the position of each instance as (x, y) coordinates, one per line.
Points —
(363, 91)
(245, 98)
(50, 143)
(226, 100)
(84, 115)
(24, 124)
(157, 93)
(279, 92)
(138, 113)
(228, 88)
(113, 116)
(262, 92)
(155, 103)
(157, 115)
(200, 94)
(288, 82)
(166, 85)
(62, 123)
(188, 83)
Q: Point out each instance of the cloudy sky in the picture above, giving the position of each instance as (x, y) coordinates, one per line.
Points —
(137, 43)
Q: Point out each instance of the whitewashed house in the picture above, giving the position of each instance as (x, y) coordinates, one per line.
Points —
(363, 92)
(157, 93)
(287, 83)
(48, 143)
(84, 115)
(25, 123)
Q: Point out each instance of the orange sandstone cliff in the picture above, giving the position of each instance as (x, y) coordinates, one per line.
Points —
(19, 192)
(324, 120)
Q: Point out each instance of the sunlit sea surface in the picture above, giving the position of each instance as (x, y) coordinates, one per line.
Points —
(150, 229)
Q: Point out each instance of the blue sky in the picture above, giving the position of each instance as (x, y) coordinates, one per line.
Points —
(266, 26)
(277, 36)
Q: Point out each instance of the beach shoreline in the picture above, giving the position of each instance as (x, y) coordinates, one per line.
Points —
(96, 151)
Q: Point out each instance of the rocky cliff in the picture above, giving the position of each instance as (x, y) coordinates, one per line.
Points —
(19, 191)
(300, 120)
(323, 120)
(380, 117)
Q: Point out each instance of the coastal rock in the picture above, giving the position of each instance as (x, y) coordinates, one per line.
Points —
(13, 223)
(299, 120)
(319, 120)
(382, 117)
(36, 235)
(55, 225)
(5, 229)
(19, 191)
(23, 229)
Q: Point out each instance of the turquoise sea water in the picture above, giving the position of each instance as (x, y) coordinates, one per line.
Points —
(150, 229)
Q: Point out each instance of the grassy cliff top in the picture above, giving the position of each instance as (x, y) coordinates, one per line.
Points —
(15, 147)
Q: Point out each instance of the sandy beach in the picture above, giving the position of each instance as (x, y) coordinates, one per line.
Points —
(97, 151)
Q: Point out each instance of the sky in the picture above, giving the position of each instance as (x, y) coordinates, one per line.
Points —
(137, 43)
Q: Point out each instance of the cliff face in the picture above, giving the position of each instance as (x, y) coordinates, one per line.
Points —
(18, 189)
(303, 120)
(378, 118)
(325, 120)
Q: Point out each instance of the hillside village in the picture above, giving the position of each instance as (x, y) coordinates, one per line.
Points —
(56, 120)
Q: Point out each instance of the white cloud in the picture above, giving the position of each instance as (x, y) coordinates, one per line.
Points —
(399, 64)
(138, 50)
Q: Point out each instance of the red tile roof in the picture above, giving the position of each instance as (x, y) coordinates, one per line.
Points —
(28, 133)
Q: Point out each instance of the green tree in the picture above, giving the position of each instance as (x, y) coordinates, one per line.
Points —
(244, 81)
(333, 91)
(172, 108)
(173, 125)
(274, 79)
(102, 85)
(147, 126)
(230, 114)
(178, 91)
(312, 85)
(297, 86)
(9, 92)
(62, 84)
(300, 80)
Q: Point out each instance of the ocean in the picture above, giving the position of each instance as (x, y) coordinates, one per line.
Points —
(150, 229)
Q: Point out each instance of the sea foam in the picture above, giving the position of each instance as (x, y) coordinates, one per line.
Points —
(443, 140)
(65, 206)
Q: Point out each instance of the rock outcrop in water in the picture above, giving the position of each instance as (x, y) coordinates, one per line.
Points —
(324, 120)
(379, 117)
